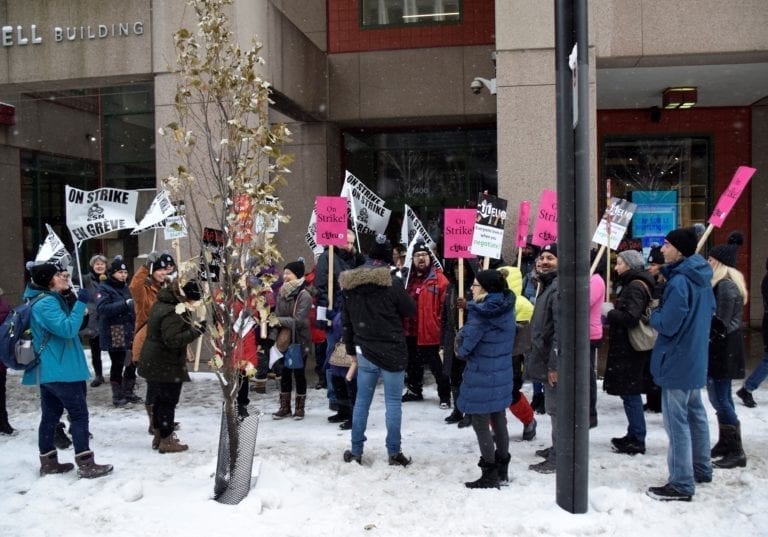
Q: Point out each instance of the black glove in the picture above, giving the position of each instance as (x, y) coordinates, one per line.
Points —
(83, 295)
(201, 326)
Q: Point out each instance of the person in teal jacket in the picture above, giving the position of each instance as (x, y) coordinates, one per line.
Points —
(62, 370)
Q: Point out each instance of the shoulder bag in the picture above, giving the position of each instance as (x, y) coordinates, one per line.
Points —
(642, 337)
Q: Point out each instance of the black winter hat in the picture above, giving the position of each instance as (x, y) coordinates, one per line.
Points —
(491, 280)
(726, 253)
(191, 290)
(421, 246)
(163, 262)
(551, 248)
(43, 273)
(117, 264)
(381, 249)
(655, 256)
(297, 267)
(684, 239)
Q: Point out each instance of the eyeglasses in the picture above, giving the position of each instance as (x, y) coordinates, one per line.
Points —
(62, 274)
(475, 285)
(421, 254)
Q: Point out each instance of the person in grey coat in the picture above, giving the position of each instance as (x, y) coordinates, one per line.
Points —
(541, 360)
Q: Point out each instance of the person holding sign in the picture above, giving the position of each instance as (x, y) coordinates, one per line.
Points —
(541, 360)
(427, 287)
(726, 350)
(679, 364)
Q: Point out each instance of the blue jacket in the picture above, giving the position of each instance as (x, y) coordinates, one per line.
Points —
(679, 358)
(116, 315)
(62, 358)
(486, 343)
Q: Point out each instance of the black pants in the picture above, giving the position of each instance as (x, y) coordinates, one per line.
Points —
(286, 380)
(118, 363)
(166, 397)
(93, 343)
(490, 442)
(420, 356)
(242, 392)
(593, 346)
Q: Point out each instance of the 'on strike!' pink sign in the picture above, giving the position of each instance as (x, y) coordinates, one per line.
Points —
(331, 225)
(545, 229)
(522, 223)
(731, 195)
(458, 227)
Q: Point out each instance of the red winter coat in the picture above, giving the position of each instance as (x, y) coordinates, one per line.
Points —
(429, 295)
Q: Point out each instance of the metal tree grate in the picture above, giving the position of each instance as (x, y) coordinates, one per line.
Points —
(233, 482)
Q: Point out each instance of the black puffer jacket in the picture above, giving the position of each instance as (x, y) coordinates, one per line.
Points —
(164, 354)
(375, 303)
(726, 345)
(116, 316)
(627, 370)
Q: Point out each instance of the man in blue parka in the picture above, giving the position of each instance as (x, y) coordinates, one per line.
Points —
(679, 364)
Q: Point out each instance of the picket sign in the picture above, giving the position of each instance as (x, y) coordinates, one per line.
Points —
(726, 202)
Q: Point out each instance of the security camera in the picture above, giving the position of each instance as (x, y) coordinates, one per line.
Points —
(476, 86)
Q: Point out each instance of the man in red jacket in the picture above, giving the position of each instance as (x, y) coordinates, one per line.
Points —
(427, 287)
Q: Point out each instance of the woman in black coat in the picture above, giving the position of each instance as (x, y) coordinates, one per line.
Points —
(626, 367)
(114, 306)
(726, 350)
(163, 359)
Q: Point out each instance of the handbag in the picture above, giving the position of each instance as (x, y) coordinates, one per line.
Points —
(339, 356)
(25, 351)
(643, 336)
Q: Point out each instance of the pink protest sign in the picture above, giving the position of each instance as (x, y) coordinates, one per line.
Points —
(458, 227)
(731, 195)
(545, 228)
(331, 226)
(522, 223)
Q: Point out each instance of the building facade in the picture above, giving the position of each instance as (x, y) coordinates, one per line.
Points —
(427, 101)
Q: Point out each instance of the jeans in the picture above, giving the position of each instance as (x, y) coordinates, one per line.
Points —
(54, 398)
(633, 408)
(758, 375)
(719, 393)
(367, 376)
(685, 421)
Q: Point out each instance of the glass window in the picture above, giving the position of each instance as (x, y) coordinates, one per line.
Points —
(669, 179)
(428, 170)
(378, 13)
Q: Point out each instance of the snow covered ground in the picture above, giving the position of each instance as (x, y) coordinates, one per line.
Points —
(303, 488)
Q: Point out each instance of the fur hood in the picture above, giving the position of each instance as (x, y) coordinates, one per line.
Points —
(365, 275)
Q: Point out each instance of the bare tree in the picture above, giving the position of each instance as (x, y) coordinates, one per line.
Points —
(229, 165)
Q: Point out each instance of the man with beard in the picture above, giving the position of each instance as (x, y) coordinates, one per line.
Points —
(427, 287)
(541, 360)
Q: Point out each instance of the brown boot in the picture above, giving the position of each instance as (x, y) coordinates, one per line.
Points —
(171, 444)
(87, 467)
(260, 386)
(285, 406)
(298, 413)
(49, 464)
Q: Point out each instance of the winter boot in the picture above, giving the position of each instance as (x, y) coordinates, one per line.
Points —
(87, 467)
(529, 431)
(720, 449)
(156, 439)
(151, 427)
(489, 478)
(735, 455)
(746, 398)
(523, 411)
(298, 413)
(455, 416)
(97, 381)
(465, 421)
(260, 386)
(285, 406)
(128, 385)
(171, 444)
(344, 413)
(60, 438)
(118, 398)
(49, 464)
(502, 464)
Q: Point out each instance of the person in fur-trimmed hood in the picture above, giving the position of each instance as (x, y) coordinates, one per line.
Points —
(375, 304)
